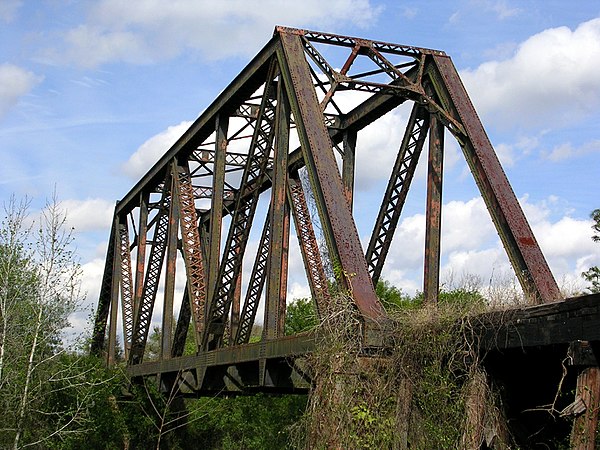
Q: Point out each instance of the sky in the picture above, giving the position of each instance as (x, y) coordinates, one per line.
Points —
(92, 93)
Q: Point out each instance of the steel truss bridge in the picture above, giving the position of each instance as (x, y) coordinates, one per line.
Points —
(222, 201)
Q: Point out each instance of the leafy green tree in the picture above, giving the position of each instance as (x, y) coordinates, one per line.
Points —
(46, 393)
(300, 316)
(592, 275)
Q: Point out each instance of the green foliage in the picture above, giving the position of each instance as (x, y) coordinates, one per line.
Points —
(393, 298)
(592, 275)
(248, 422)
(300, 316)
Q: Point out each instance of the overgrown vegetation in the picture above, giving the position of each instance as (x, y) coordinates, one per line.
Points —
(421, 392)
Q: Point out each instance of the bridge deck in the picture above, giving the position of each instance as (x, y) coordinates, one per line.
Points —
(278, 365)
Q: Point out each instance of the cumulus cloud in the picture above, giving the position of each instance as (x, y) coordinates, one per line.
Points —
(147, 30)
(88, 215)
(553, 74)
(150, 151)
(15, 82)
(567, 151)
(470, 245)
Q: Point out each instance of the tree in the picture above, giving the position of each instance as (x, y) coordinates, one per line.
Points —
(300, 316)
(592, 275)
(39, 289)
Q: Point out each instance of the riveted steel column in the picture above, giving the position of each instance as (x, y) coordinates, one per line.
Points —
(433, 214)
(216, 207)
(336, 218)
(141, 251)
(114, 299)
(311, 256)
(523, 250)
(348, 161)
(124, 263)
(167, 320)
(105, 297)
(234, 319)
(277, 262)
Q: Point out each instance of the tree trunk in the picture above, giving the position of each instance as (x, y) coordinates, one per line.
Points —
(28, 376)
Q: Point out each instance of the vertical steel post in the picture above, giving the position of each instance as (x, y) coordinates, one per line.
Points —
(280, 223)
(348, 162)
(114, 299)
(141, 251)
(216, 206)
(105, 298)
(433, 218)
(167, 320)
(124, 258)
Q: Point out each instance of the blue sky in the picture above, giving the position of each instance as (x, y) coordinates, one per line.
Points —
(93, 92)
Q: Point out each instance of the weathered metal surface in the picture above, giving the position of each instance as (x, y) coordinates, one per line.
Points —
(242, 218)
(141, 324)
(190, 240)
(433, 212)
(277, 262)
(255, 286)
(311, 255)
(126, 282)
(200, 186)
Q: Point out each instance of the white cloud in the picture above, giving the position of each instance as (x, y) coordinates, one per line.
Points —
(502, 9)
(14, 83)
(376, 149)
(150, 151)
(148, 30)
(470, 245)
(88, 215)
(567, 151)
(553, 74)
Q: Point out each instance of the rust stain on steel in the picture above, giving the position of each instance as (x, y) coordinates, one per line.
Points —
(317, 148)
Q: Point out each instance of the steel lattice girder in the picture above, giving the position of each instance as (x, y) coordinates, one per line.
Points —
(292, 88)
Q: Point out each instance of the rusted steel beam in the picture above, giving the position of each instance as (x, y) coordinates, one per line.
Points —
(334, 211)
(140, 261)
(255, 286)
(243, 215)
(166, 336)
(190, 240)
(277, 261)
(114, 299)
(126, 282)
(216, 207)
(348, 162)
(114, 307)
(183, 323)
(143, 315)
(433, 212)
(523, 250)
(104, 301)
(396, 191)
(311, 256)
